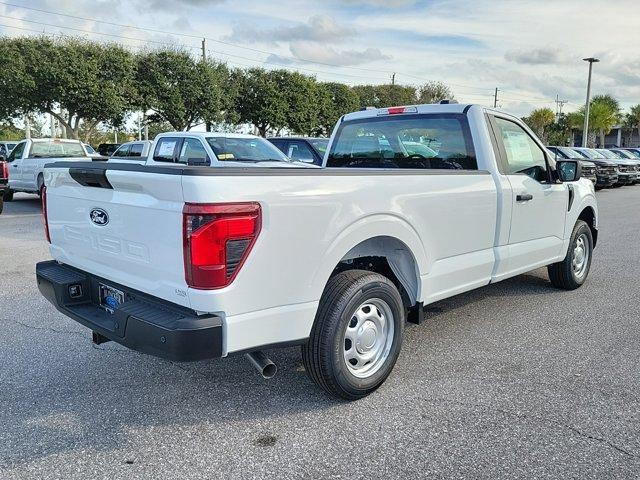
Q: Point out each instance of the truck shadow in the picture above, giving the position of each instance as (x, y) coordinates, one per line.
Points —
(95, 398)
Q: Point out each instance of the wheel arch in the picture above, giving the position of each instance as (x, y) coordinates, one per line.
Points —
(589, 216)
(370, 243)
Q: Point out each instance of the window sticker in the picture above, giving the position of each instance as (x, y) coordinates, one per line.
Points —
(166, 149)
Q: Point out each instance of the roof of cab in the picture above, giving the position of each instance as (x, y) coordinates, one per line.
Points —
(203, 135)
(407, 110)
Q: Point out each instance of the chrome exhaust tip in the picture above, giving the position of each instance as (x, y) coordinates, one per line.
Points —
(260, 361)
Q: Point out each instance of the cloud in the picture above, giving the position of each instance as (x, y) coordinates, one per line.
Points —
(172, 4)
(536, 56)
(326, 54)
(319, 28)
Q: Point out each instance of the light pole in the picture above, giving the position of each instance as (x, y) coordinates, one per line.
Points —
(585, 131)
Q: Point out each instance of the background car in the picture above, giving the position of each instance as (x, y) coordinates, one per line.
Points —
(606, 171)
(92, 151)
(589, 168)
(628, 173)
(106, 149)
(302, 149)
(4, 178)
(633, 151)
(132, 151)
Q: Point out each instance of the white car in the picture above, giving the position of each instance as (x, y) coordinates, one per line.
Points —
(28, 158)
(132, 152)
(191, 262)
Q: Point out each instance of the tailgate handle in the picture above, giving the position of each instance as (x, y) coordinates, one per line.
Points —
(524, 197)
(90, 178)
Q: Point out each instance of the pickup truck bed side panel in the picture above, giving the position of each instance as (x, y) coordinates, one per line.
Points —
(329, 215)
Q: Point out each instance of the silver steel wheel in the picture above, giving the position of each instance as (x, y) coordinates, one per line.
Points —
(368, 338)
(580, 259)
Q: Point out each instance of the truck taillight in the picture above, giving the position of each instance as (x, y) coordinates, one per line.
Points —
(5, 169)
(217, 241)
(45, 219)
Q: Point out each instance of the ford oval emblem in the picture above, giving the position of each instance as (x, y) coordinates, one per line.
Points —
(112, 302)
(99, 217)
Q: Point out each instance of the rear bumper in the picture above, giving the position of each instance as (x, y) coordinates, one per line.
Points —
(143, 323)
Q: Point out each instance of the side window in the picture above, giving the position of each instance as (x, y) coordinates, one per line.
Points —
(192, 149)
(122, 151)
(523, 155)
(166, 149)
(300, 152)
(16, 152)
(427, 141)
(135, 150)
(281, 145)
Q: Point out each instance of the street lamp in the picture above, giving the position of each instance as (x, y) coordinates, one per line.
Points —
(585, 131)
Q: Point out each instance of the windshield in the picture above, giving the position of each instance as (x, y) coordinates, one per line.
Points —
(56, 149)
(437, 141)
(320, 144)
(625, 154)
(608, 154)
(570, 153)
(635, 153)
(589, 153)
(252, 149)
(11, 146)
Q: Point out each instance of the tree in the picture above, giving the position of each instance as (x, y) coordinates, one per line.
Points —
(387, 95)
(76, 81)
(300, 94)
(434, 92)
(539, 119)
(334, 100)
(633, 120)
(261, 101)
(179, 90)
(604, 114)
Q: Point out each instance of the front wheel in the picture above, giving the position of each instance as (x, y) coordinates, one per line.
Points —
(357, 334)
(572, 272)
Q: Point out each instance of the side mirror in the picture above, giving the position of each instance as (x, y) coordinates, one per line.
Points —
(569, 170)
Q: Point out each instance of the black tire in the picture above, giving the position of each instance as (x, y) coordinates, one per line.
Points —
(324, 353)
(8, 195)
(563, 274)
(1, 204)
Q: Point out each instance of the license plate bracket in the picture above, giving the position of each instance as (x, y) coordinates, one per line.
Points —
(110, 298)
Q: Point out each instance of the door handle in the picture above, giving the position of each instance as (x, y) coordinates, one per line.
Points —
(14, 165)
(524, 197)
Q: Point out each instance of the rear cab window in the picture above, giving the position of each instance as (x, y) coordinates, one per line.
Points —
(420, 141)
(56, 149)
(167, 149)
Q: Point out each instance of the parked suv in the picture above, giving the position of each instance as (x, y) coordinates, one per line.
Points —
(132, 151)
(627, 155)
(627, 169)
(606, 170)
(588, 168)
(302, 149)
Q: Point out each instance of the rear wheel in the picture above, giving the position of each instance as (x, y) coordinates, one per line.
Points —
(8, 195)
(572, 272)
(357, 334)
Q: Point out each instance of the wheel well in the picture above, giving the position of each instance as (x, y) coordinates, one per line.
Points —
(389, 257)
(589, 216)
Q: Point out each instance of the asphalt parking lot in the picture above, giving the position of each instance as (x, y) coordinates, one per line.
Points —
(513, 380)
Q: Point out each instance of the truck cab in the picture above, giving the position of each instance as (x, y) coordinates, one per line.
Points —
(27, 160)
(413, 204)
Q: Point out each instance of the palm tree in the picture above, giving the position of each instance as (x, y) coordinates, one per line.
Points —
(633, 119)
(604, 114)
(539, 119)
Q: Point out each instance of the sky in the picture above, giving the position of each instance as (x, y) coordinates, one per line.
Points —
(531, 50)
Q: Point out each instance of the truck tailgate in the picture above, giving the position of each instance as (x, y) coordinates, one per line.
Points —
(125, 226)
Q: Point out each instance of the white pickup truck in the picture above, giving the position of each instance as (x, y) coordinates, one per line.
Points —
(413, 205)
(28, 158)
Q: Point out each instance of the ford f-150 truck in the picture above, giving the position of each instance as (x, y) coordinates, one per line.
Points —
(189, 262)
(27, 160)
